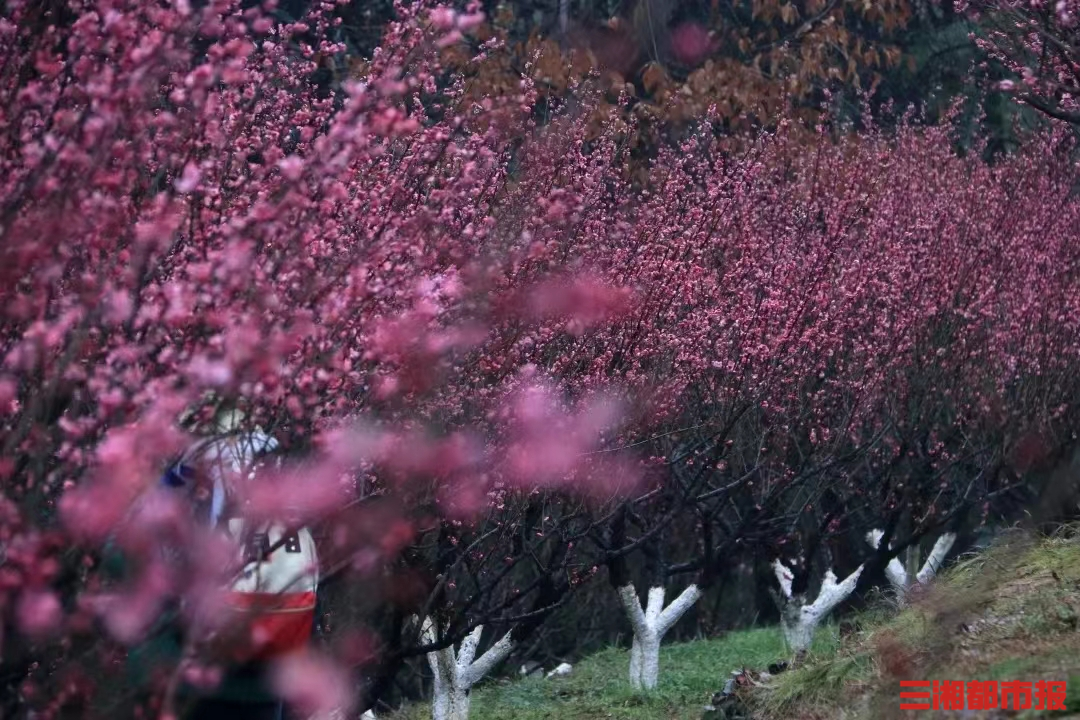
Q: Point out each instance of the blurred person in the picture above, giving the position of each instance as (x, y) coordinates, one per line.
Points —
(273, 595)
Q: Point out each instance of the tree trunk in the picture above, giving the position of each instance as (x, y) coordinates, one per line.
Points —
(458, 706)
(798, 620)
(798, 628)
(649, 625)
(454, 674)
(901, 578)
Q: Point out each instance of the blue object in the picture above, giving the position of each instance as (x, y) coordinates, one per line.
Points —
(178, 475)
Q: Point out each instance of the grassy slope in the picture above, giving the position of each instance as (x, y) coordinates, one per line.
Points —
(1007, 614)
(1010, 613)
(598, 687)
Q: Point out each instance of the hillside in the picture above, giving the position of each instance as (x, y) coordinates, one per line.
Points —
(1008, 613)
(598, 688)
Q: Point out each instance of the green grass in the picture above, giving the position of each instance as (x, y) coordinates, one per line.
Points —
(1009, 613)
(598, 687)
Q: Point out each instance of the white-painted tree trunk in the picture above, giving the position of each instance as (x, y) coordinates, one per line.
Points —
(339, 714)
(898, 575)
(799, 620)
(650, 625)
(456, 673)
